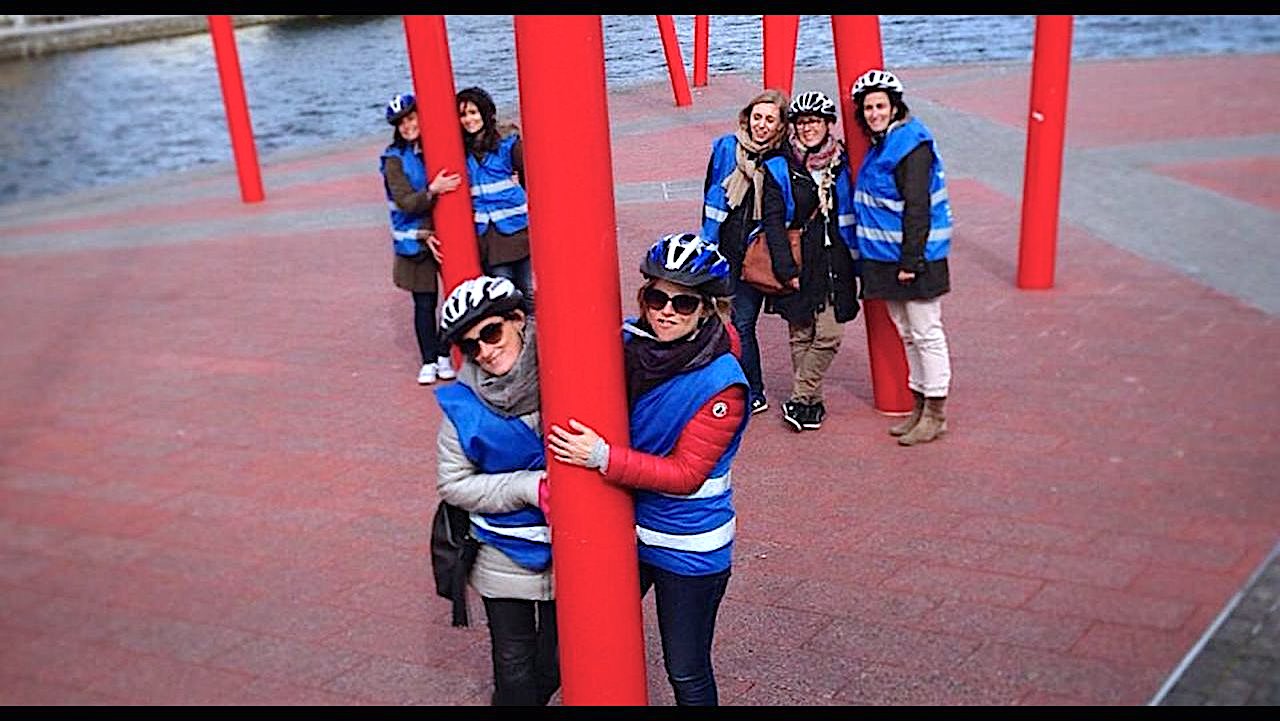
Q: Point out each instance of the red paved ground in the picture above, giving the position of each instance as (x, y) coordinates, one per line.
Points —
(217, 470)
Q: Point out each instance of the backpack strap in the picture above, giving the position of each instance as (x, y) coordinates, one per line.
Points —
(460, 573)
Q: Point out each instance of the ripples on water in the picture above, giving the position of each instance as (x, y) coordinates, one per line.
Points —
(94, 117)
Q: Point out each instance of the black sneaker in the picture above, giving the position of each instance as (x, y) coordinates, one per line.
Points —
(759, 405)
(792, 413)
(812, 420)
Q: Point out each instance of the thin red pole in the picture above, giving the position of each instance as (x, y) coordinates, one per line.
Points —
(675, 61)
(1046, 126)
(780, 33)
(572, 226)
(233, 99)
(857, 48)
(701, 34)
(428, 42)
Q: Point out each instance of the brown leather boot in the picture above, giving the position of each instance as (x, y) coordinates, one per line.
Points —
(933, 423)
(905, 426)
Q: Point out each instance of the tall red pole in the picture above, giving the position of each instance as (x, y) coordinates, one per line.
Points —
(246, 155)
(432, 69)
(1046, 126)
(701, 34)
(572, 227)
(780, 33)
(675, 61)
(857, 46)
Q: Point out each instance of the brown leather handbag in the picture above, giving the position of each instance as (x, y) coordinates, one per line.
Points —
(757, 265)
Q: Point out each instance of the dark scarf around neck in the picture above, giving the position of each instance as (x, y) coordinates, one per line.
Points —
(650, 362)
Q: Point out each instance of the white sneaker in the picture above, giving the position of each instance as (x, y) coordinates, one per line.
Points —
(427, 375)
(444, 368)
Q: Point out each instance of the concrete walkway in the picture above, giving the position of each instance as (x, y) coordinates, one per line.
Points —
(216, 468)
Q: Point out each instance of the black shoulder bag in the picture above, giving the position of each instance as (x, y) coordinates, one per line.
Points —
(453, 551)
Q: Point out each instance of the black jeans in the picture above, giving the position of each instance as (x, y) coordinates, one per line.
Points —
(526, 657)
(424, 324)
(747, 302)
(687, 608)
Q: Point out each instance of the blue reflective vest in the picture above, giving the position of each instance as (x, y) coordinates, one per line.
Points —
(495, 197)
(404, 226)
(878, 204)
(499, 444)
(690, 535)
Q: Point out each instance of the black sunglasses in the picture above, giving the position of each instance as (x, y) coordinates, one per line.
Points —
(682, 303)
(489, 334)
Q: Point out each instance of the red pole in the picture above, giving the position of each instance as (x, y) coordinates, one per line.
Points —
(671, 47)
(1046, 126)
(224, 50)
(780, 33)
(857, 47)
(573, 228)
(701, 34)
(428, 42)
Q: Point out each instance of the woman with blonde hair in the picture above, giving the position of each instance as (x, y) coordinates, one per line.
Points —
(687, 398)
(734, 175)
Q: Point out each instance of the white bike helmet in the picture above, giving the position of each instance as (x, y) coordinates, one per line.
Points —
(474, 300)
(876, 80)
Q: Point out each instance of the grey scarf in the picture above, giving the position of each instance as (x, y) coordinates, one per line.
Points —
(515, 393)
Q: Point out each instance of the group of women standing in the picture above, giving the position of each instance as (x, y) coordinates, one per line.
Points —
(692, 359)
(884, 235)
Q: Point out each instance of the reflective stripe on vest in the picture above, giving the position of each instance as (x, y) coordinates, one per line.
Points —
(692, 542)
(499, 186)
(539, 534)
(710, 487)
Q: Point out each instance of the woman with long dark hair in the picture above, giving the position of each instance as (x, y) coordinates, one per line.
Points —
(495, 164)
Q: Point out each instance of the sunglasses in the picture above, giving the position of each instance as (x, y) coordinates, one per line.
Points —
(682, 303)
(489, 335)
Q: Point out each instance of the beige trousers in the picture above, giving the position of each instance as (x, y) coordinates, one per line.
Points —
(813, 347)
